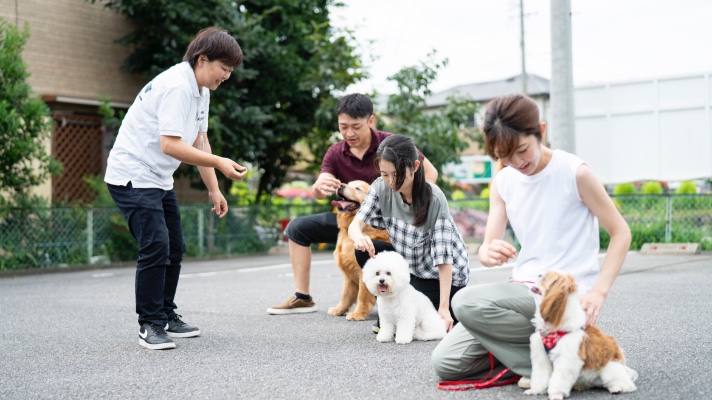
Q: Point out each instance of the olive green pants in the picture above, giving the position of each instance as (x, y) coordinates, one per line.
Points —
(494, 318)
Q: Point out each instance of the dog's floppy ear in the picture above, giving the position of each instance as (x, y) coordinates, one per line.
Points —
(553, 305)
(368, 270)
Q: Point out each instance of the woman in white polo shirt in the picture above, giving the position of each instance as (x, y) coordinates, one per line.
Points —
(167, 124)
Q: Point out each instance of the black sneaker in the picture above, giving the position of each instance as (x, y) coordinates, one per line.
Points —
(376, 327)
(177, 328)
(154, 337)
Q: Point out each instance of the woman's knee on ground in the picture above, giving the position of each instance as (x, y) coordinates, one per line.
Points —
(465, 303)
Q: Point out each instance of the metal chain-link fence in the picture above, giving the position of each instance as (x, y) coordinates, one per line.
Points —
(52, 237)
(78, 236)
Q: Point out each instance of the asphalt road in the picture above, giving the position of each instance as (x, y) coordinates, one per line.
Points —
(74, 335)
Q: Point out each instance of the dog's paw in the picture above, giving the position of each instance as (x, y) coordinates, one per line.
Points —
(532, 392)
(556, 396)
(404, 339)
(336, 311)
(384, 336)
(622, 387)
(354, 316)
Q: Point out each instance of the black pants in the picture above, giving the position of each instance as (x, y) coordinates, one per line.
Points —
(429, 287)
(315, 228)
(153, 217)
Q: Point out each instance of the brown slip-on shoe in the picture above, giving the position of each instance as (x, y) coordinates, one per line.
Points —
(293, 305)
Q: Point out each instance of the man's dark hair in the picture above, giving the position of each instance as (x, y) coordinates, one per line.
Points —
(216, 44)
(355, 106)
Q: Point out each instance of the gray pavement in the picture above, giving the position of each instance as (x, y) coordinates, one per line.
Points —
(74, 335)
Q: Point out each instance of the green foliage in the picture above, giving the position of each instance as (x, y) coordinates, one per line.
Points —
(458, 195)
(111, 120)
(442, 135)
(476, 204)
(640, 234)
(624, 189)
(651, 187)
(294, 64)
(35, 236)
(25, 122)
(485, 193)
(686, 187)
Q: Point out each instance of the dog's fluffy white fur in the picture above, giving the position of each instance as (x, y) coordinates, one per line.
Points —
(402, 310)
(580, 359)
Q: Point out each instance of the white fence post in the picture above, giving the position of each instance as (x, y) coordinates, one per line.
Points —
(201, 232)
(90, 234)
(668, 225)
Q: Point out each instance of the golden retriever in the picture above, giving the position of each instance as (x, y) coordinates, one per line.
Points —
(349, 199)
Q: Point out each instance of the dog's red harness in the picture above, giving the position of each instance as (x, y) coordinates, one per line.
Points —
(551, 339)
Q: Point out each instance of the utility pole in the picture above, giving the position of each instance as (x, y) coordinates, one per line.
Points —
(562, 124)
(521, 45)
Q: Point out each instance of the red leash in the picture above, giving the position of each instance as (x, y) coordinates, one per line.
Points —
(482, 383)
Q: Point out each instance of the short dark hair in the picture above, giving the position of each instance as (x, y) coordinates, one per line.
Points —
(355, 106)
(216, 44)
(507, 118)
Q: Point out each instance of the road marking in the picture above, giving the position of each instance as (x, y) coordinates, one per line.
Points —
(288, 265)
(253, 269)
(102, 275)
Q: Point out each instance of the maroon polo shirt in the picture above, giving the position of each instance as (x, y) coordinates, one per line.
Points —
(346, 167)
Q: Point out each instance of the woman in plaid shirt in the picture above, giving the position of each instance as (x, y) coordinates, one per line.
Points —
(416, 215)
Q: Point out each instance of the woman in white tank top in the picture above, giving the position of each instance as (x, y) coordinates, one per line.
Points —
(554, 203)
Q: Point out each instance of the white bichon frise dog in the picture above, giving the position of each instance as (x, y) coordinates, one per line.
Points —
(402, 310)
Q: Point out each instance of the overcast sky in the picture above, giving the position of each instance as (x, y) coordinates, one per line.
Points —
(613, 40)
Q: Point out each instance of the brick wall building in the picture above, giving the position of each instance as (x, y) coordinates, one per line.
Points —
(73, 60)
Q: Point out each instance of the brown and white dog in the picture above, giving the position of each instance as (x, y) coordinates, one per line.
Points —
(349, 199)
(564, 354)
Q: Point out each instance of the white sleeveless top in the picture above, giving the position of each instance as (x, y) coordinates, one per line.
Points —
(554, 227)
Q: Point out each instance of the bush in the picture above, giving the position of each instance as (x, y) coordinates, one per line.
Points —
(25, 123)
(651, 187)
(458, 195)
(686, 187)
(484, 194)
(650, 233)
(624, 189)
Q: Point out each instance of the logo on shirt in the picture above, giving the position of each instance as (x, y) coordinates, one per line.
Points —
(146, 89)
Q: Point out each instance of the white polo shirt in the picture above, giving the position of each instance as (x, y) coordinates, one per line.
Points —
(169, 105)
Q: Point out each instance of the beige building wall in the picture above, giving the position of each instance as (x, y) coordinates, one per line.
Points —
(71, 51)
(72, 56)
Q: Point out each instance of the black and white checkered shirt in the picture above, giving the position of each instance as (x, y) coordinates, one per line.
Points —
(436, 242)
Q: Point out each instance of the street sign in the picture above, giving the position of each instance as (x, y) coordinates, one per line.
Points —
(471, 169)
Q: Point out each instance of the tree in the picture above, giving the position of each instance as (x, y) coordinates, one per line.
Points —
(441, 135)
(294, 62)
(25, 121)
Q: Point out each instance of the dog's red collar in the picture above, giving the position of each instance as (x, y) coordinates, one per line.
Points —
(551, 339)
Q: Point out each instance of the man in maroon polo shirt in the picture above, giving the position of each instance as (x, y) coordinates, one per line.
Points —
(346, 161)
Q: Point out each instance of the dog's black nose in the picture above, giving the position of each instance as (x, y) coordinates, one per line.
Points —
(381, 281)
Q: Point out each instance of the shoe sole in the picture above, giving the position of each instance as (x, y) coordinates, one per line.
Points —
(160, 346)
(183, 334)
(285, 311)
(524, 384)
